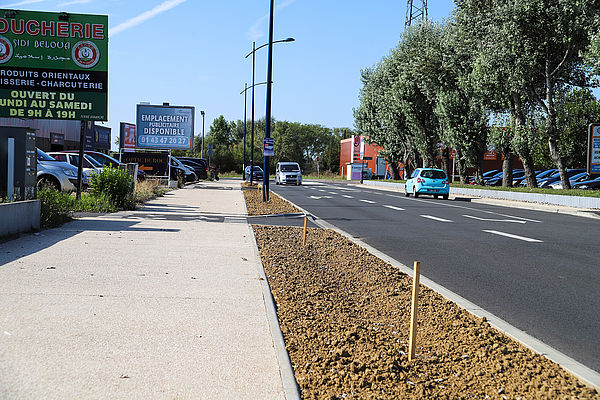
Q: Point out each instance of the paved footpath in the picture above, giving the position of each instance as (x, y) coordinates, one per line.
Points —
(160, 303)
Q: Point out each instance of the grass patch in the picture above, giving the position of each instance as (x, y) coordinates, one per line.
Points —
(148, 190)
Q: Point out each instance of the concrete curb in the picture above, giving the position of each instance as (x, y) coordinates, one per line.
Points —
(19, 217)
(290, 386)
(592, 203)
(583, 373)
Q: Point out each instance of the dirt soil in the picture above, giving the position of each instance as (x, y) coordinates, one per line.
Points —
(275, 205)
(345, 315)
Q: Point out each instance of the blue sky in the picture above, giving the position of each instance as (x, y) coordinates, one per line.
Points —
(191, 52)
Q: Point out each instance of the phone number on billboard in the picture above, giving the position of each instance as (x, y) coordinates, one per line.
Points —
(184, 141)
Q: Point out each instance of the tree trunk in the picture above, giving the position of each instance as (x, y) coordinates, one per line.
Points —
(523, 151)
(463, 172)
(447, 162)
(394, 170)
(507, 168)
(553, 129)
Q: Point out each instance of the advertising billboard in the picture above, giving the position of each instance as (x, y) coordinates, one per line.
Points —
(165, 127)
(593, 166)
(53, 65)
(127, 137)
(153, 164)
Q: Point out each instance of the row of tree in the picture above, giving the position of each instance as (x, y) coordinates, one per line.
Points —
(294, 141)
(509, 75)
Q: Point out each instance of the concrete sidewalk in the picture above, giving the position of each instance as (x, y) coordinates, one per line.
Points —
(160, 303)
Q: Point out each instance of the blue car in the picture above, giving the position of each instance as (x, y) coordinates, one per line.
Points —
(428, 181)
(589, 184)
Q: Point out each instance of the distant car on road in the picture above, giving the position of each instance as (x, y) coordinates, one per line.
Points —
(288, 173)
(257, 173)
(428, 181)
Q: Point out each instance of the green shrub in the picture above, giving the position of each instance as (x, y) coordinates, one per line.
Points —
(114, 184)
(56, 207)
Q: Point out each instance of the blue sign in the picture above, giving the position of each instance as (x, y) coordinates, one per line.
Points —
(165, 127)
(269, 147)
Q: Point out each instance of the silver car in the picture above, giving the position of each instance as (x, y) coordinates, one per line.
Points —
(60, 175)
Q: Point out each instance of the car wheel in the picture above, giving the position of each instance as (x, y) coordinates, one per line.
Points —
(445, 197)
(435, 196)
(416, 194)
(48, 182)
(406, 192)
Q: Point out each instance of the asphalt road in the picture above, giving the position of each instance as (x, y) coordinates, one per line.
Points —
(538, 271)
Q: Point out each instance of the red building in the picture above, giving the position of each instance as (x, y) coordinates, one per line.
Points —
(370, 150)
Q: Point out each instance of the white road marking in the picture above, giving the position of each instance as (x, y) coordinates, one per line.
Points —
(320, 197)
(348, 197)
(517, 221)
(321, 190)
(332, 192)
(393, 195)
(436, 218)
(394, 208)
(367, 201)
(510, 235)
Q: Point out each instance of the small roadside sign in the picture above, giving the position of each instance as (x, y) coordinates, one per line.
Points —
(593, 164)
(269, 147)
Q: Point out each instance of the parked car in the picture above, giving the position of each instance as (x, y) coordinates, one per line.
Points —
(288, 173)
(589, 184)
(555, 177)
(107, 160)
(485, 175)
(539, 176)
(580, 177)
(199, 169)
(428, 181)
(202, 173)
(497, 179)
(90, 165)
(188, 174)
(493, 176)
(257, 173)
(57, 174)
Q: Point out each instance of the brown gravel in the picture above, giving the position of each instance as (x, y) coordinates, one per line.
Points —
(345, 317)
(275, 205)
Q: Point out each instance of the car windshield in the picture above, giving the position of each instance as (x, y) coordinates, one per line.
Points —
(75, 161)
(93, 161)
(41, 156)
(290, 168)
(433, 174)
(103, 159)
(257, 169)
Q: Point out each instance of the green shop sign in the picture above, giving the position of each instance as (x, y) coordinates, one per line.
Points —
(53, 65)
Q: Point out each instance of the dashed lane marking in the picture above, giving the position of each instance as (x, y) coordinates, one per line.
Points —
(347, 196)
(510, 235)
(436, 218)
(367, 201)
(516, 221)
(394, 208)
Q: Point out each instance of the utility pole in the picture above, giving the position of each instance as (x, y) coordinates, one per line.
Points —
(416, 11)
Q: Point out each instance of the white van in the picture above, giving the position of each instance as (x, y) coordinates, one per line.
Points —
(288, 173)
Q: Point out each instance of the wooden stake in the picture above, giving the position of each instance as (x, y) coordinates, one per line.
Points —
(412, 343)
(304, 234)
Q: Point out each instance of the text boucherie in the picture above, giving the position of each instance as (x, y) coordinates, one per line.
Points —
(60, 29)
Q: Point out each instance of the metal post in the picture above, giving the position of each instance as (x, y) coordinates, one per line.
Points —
(252, 123)
(80, 164)
(202, 148)
(412, 339)
(10, 179)
(245, 118)
(268, 107)
(362, 170)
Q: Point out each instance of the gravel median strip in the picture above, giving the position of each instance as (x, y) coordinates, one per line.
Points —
(344, 314)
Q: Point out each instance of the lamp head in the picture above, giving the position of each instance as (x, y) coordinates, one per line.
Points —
(290, 39)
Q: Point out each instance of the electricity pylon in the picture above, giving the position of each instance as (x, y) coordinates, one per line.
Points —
(416, 12)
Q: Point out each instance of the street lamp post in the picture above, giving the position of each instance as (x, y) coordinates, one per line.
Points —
(244, 152)
(269, 81)
(202, 148)
(246, 87)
